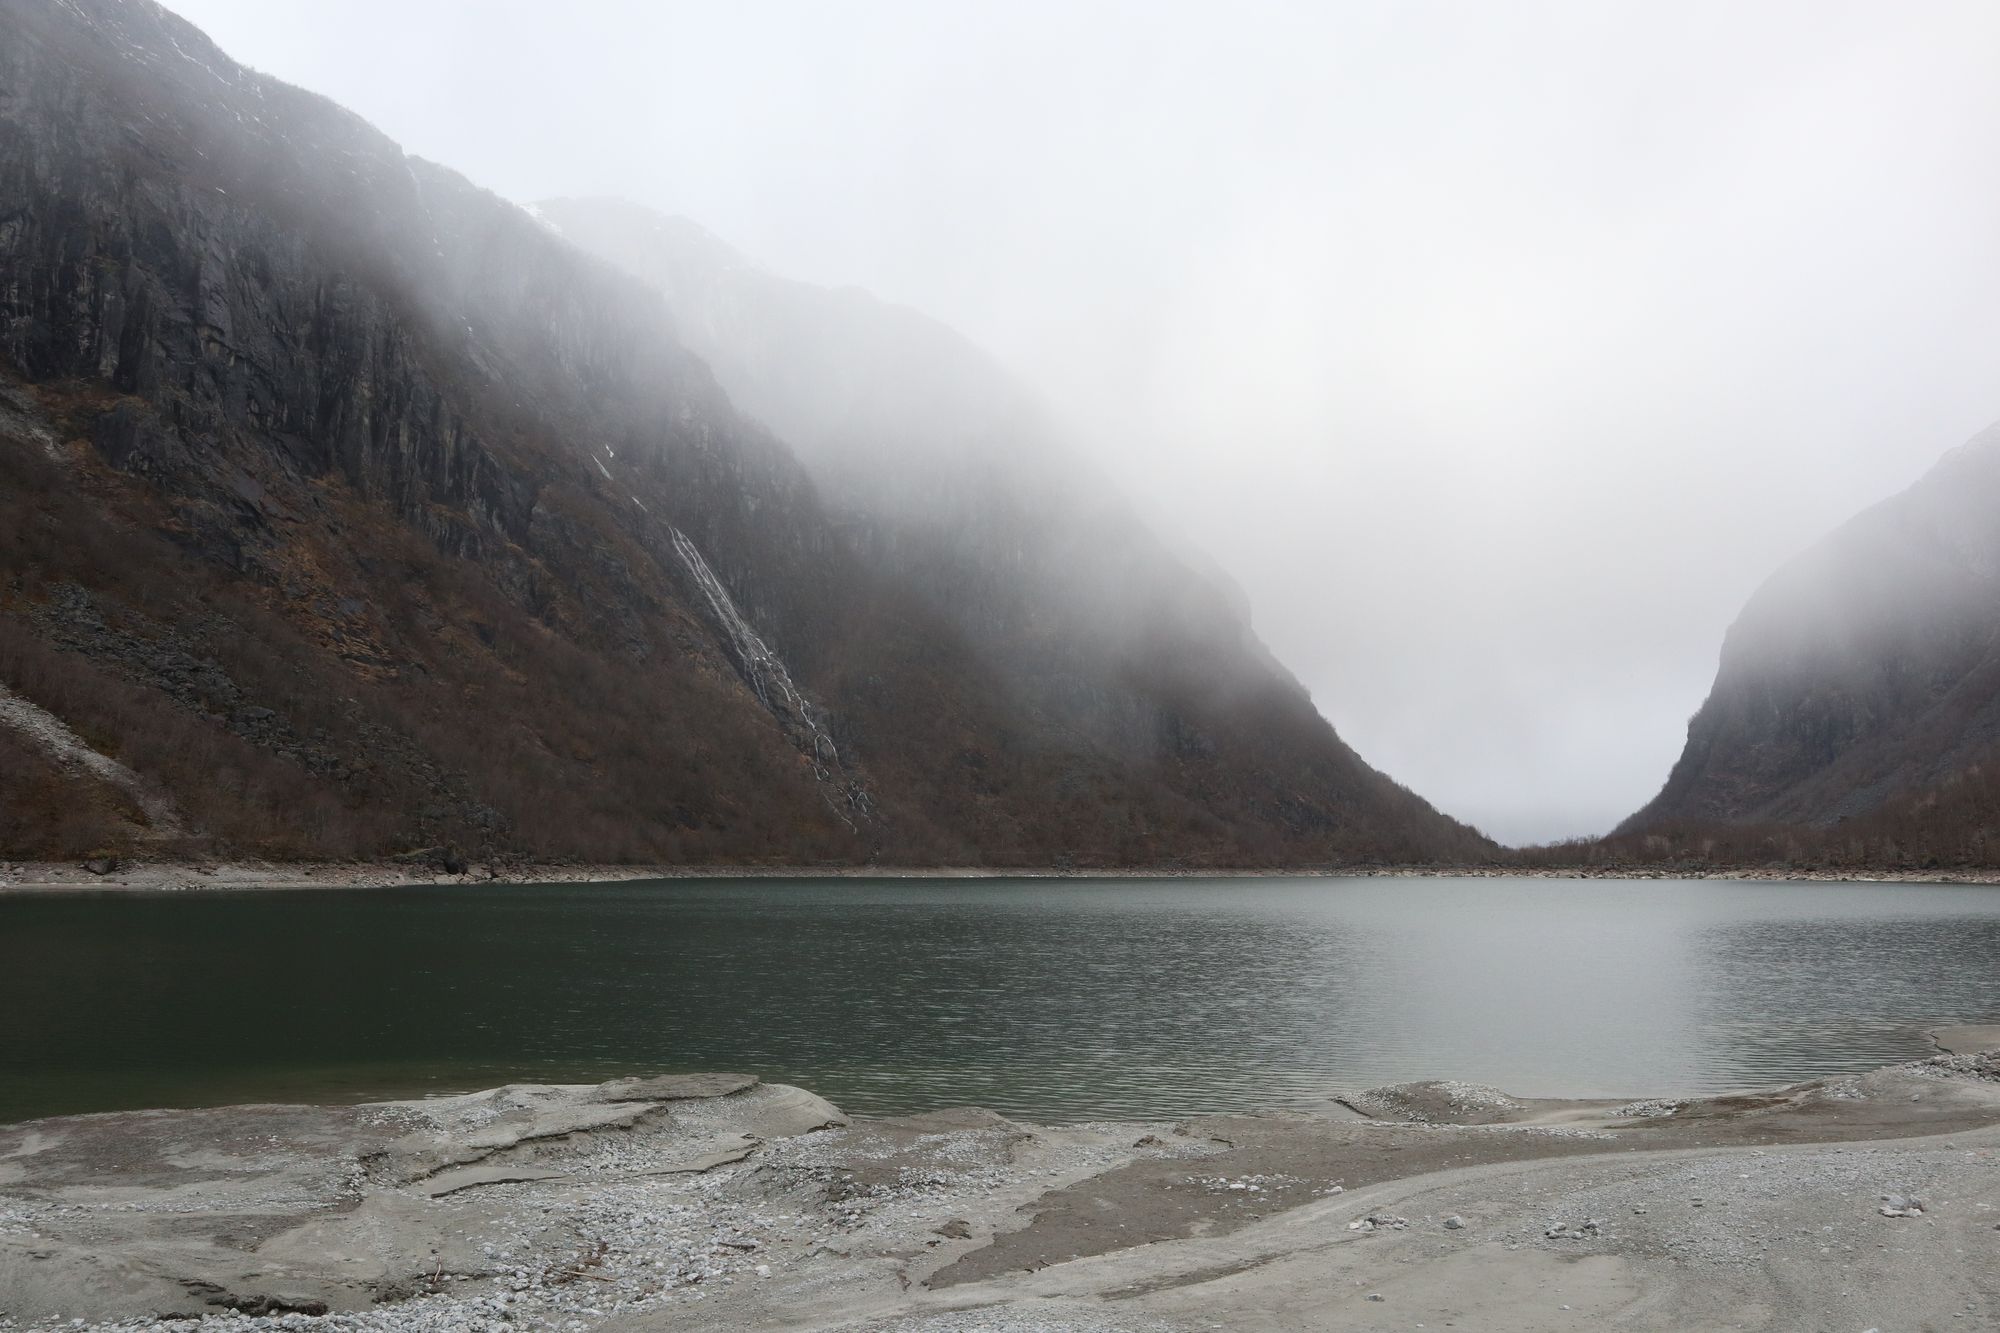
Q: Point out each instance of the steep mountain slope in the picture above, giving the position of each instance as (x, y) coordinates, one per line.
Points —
(956, 487)
(378, 484)
(948, 475)
(1866, 669)
(349, 509)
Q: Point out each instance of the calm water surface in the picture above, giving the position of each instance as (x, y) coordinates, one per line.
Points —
(1046, 999)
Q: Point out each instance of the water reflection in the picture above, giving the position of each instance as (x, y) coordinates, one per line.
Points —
(1044, 999)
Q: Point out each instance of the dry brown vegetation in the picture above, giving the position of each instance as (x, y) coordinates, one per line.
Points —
(445, 703)
(48, 811)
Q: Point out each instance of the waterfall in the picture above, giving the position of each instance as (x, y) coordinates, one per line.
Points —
(764, 672)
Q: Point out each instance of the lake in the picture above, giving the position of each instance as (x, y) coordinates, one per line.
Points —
(1047, 999)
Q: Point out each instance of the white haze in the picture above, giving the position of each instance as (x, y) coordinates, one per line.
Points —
(1498, 351)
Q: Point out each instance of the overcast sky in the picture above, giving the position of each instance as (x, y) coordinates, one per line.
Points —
(1498, 351)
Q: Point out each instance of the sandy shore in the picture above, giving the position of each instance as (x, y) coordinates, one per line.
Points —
(717, 1202)
(182, 876)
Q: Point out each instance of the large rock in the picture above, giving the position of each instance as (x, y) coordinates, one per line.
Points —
(268, 1209)
(674, 1087)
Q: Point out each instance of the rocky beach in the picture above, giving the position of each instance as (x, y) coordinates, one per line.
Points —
(441, 866)
(716, 1201)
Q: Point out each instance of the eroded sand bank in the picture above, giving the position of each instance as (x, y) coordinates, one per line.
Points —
(719, 1202)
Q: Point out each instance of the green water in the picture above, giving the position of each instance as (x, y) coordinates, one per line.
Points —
(1047, 999)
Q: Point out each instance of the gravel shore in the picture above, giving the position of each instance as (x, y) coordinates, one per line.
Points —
(182, 876)
(719, 1202)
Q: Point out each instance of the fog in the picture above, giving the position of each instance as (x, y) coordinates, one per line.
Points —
(1498, 353)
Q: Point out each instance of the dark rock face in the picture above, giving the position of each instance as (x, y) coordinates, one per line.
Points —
(363, 513)
(237, 258)
(1867, 668)
(292, 348)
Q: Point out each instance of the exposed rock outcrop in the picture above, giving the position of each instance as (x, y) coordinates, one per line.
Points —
(748, 1205)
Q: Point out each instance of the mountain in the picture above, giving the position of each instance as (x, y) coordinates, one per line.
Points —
(346, 508)
(954, 484)
(1864, 676)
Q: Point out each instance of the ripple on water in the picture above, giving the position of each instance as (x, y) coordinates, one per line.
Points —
(1044, 999)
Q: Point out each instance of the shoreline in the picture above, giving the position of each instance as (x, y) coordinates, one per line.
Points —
(716, 1201)
(28, 877)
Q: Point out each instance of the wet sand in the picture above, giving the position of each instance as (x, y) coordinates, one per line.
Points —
(716, 1202)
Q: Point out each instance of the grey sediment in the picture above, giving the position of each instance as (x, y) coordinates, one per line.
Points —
(717, 1201)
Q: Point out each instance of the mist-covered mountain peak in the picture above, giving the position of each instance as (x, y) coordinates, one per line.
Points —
(869, 392)
(950, 470)
(1865, 667)
(690, 255)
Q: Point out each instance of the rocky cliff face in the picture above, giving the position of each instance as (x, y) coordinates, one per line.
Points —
(1867, 668)
(351, 507)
